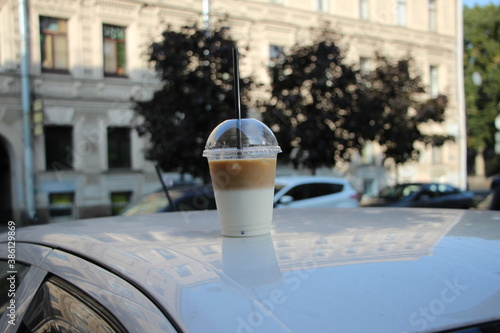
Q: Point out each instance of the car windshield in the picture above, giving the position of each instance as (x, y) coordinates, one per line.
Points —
(150, 204)
(399, 191)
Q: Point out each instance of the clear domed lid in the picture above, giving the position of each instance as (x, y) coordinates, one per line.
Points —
(255, 137)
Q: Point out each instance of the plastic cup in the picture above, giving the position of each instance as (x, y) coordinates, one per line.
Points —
(242, 160)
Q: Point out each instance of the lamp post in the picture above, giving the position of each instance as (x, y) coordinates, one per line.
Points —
(462, 131)
(497, 135)
(29, 174)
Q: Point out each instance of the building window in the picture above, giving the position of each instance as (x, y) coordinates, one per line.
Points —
(437, 155)
(368, 189)
(322, 5)
(166, 254)
(206, 249)
(364, 65)
(119, 156)
(432, 15)
(433, 81)
(114, 53)
(61, 205)
(363, 9)
(401, 12)
(276, 55)
(58, 147)
(54, 44)
(183, 270)
(119, 200)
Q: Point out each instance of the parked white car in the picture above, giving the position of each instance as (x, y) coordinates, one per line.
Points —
(314, 191)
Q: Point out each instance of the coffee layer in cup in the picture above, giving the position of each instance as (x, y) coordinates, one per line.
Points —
(243, 174)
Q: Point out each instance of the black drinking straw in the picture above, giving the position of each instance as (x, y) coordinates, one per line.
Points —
(237, 95)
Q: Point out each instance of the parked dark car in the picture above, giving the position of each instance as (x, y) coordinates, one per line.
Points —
(183, 199)
(430, 195)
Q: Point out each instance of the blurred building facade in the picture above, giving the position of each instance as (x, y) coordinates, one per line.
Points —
(88, 58)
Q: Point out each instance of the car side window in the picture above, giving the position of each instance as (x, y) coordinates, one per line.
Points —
(60, 307)
(409, 190)
(426, 195)
(441, 190)
(10, 276)
(321, 189)
(447, 190)
(314, 190)
(299, 192)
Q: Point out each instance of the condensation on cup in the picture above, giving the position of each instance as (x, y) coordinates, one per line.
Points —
(242, 160)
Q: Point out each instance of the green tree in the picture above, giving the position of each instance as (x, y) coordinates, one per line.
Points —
(322, 109)
(313, 91)
(482, 75)
(196, 70)
(395, 95)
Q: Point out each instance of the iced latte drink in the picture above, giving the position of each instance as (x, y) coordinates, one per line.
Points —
(243, 178)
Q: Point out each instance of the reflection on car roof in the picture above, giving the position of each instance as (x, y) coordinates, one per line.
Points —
(349, 270)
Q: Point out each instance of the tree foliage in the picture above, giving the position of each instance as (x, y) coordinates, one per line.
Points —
(323, 109)
(395, 106)
(196, 71)
(313, 95)
(482, 73)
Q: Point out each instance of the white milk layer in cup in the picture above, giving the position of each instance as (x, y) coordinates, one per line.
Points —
(243, 178)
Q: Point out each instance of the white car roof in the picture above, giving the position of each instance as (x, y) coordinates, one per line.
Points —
(348, 270)
(294, 180)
